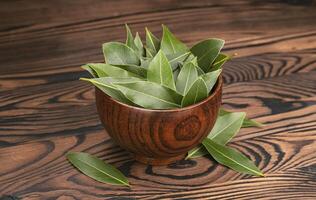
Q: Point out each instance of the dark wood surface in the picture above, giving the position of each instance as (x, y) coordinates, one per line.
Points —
(46, 112)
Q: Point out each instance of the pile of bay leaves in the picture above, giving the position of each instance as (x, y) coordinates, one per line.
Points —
(162, 74)
(165, 74)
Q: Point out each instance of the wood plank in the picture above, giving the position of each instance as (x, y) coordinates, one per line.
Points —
(70, 45)
(286, 160)
(46, 112)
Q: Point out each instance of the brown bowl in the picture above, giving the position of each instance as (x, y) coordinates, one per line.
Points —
(158, 137)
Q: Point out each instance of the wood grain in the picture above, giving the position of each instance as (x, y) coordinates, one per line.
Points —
(46, 112)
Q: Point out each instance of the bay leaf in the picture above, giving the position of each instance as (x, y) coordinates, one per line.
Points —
(231, 158)
(190, 58)
(117, 53)
(149, 54)
(144, 63)
(220, 60)
(105, 84)
(176, 73)
(176, 59)
(187, 76)
(159, 71)
(199, 70)
(139, 70)
(226, 134)
(139, 44)
(196, 93)
(152, 43)
(97, 169)
(251, 123)
(246, 123)
(196, 152)
(210, 79)
(90, 70)
(226, 127)
(129, 38)
(104, 70)
(150, 95)
(170, 44)
(207, 51)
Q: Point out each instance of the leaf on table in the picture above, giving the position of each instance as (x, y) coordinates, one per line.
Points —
(251, 123)
(97, 169)
(196, 93)
(246, 123)
(105, 84)
(117, 53)
(159, 71)
(220, 60)
(231, 158)
(206, 52)
(90, 70)
(150, 95)
(210, 79)
(152, 43)
(129, 38)
(226, 127)
(139, 44)
(104, 70)
(196, 152)
(170, 44)
(176, 59)
(187, 76)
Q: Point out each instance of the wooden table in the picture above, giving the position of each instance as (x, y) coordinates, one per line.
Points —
(45, 111)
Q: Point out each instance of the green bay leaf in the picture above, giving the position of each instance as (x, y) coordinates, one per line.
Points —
(210, 79)
(104, 70)
(117, 53)
(196, 93)
(187, 76)
(129, 38)
(170, 44)
(196, 152)
(139, 70)
(150, 95)
(226, 127)
(159, 71)
(251, 123)
(231, 158)
(246, 123)
(207, 51)
(139, 44)
(105, 84)
(152, 43)
(220, 60)
(176, 59)
(90, 70)
(97, 169)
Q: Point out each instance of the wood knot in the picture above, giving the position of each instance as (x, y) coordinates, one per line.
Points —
(188, 128)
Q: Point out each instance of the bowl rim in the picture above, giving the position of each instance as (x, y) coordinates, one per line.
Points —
(218, 86)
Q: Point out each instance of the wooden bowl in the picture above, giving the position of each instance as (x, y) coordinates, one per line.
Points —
(158, 137)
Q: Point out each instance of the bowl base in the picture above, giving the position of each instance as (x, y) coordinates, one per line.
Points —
(158, 161)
